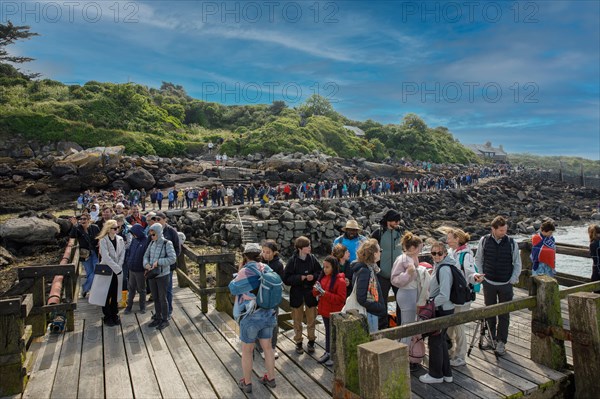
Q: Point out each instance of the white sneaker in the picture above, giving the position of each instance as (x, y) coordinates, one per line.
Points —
(448, 379)
(276, 354)
(427, 379)
(500, 349)
(457, 362)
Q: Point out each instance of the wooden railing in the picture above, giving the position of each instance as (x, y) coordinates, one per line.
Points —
(224, 268)
(357, 353)
(23, 315)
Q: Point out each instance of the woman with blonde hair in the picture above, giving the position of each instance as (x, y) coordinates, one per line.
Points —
(366, 284)
(406, 278)
(106, 286)
(458, 242)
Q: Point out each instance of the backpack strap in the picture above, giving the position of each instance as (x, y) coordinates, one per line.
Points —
(437, 274)
(461, 260)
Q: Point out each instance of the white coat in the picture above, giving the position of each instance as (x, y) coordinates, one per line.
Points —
(114, 259)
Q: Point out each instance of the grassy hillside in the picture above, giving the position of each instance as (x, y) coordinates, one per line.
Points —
(570, 165)
(168, 122)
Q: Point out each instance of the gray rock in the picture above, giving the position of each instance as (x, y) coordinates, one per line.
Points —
(272, 234)
(29, 230)
(288, 225)
(61, 169)
(263, 213)
(299, 225)
(287, 215)
(596, 216)
(140, 178)
(6, 257)
(330, 215)
(521, 196)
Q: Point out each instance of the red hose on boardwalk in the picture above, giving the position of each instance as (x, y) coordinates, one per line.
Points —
(57, 283)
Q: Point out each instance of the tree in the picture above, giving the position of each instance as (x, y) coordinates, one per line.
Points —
(277, 107)
(414, 122)
(317, 105)
(9, 34)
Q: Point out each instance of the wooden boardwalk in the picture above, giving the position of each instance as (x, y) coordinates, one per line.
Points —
(198, 356)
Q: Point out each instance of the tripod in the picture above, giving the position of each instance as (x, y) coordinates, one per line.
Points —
(484, 332)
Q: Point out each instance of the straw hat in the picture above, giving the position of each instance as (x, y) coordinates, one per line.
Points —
(352, 225)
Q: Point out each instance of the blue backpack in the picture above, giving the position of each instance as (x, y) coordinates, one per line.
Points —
(270, 290)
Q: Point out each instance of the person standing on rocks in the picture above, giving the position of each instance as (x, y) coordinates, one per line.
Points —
(85, 233)
(301, 273)
(351, 238)
(153, 195)
(389, 237)
(498, 257)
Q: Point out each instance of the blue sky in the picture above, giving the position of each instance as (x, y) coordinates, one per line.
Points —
(522, 74)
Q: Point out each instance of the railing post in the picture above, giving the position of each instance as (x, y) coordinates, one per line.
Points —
(525, 277)
(225, 270)
(183, 267)
(348, 331)
(584, 321)
(546, 317)
(383, 370)
(38, 321)
(13, 345)
(202, 284)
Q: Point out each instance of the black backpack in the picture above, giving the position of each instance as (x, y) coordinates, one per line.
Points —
(460, 293)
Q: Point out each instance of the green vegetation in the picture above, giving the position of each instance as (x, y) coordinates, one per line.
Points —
(168, 122)
(570, 165)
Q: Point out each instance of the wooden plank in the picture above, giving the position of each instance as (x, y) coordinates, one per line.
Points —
(169, 380)
(39, 310)
(44, 371)
(69, 364)
(22, 287)
(10, 306)
(194, 378)
(142, 376)
(321, 374)
(91, 375)
(478, 388)
(515, 380)
(45, 271)
(226, 354)
(411, 329)
(284, 389)
(453, 390)
(297, 376)
(525, 361)
(216, 372)
(482, 377)
(116, 370)
(428, 391)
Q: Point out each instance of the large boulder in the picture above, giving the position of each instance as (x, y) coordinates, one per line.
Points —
(29, 230)
(140, 178)
(60, 169)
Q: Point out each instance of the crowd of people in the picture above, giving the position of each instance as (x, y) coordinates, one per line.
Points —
(354, 269)
(126, 251)
(264, 193)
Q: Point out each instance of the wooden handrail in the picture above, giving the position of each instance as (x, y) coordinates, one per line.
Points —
(408, 330)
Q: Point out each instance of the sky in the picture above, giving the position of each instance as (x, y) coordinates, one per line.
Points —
(522, 74)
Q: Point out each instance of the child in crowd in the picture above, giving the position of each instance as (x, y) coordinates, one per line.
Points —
(543, 251)
(330, 290)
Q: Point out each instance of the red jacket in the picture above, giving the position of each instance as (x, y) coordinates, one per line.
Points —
(332, 300)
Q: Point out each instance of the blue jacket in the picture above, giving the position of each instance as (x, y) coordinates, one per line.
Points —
(134, 257)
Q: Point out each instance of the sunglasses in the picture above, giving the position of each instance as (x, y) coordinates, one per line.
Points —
(436, 253)
(152, 235)
(114, 228)
(84, 219)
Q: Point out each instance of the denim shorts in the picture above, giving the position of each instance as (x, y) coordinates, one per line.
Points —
(259, 325)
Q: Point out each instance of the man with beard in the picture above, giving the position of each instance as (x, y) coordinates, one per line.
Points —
(351, 238)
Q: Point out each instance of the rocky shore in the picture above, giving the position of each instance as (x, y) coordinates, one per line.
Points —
(39, 177)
